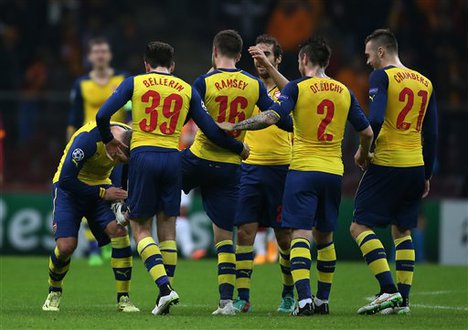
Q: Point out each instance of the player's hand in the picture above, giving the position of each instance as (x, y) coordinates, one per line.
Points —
(258, 55)
(225, 126)
(427, 188)
(115, 194)
(245, 152)
(362, 160)
(115, 149)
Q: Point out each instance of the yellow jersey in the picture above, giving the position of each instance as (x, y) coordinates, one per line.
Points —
(87, 96)
(230, 95)
(269, 146)
(320, 108)
(84, 162)
(400, 97)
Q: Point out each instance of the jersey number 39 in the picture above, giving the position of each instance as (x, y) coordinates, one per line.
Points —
(171, 107)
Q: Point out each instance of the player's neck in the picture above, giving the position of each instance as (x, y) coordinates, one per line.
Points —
(102, 72)
(316, 71)
(268, 82)
(160, 69)
(225, 63)
(392, 61)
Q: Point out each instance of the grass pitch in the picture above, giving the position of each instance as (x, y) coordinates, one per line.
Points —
(439, 299)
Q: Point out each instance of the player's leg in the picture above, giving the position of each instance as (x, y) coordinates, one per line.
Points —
(166, 227)
(299, 209)
(373, 206)
(326, 263)
(66, 219)
(406, 219)
(244, 264)
(220, 193)
(122, 265)
(152, 258)
(249, 209)
(94, 257)
(145, 170)
(325, 224)
(283, 237)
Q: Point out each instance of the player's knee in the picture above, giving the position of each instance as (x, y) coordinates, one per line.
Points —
(284, 242)
(115, 230)
(245, 236)
(354, 230)
(66, 247)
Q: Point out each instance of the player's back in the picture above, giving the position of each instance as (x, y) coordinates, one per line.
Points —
(230, 95)
(98, 167)
(399, 142)
(160, 104)
(319, 117)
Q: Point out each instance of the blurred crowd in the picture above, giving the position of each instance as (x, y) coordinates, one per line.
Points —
(43, 49)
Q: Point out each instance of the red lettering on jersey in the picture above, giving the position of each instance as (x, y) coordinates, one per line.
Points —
(217, 86)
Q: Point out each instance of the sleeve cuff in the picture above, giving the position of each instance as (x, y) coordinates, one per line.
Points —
(102, 192)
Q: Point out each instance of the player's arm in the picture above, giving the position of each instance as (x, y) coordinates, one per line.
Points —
(204, 121)
(277, 111)
(84, 147)
(429, 132)
(265, 103)
(360, 123)
(75, 117)
(117, 100)
(261, 58)
(378, 85)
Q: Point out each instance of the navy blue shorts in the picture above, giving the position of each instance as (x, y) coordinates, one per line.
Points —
(389, 195)
(219, 187)
(154, 183)
(261, 194)
(69, 210)
(311, 199)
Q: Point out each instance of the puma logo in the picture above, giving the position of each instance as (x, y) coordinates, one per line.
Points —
(123, 273)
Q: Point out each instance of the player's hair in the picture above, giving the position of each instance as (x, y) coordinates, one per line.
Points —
(127, 137)
(228, 42)
(270, 40)
(317, 51)
(159, 53)
(383, 38)
(97, 41)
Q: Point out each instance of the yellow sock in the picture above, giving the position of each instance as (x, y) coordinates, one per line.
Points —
(326, 262)
(226, 269)
(286, 276)
(300, 267)
(169, 254)
(151, 256)
(122, 263)
(404, 259)
(244, 266)
(58, 268)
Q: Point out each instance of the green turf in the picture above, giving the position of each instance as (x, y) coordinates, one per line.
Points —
(440, 299)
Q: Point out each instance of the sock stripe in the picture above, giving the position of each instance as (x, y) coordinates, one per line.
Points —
(244, 256)
(326, 266)
(123, 274)
(365, 236)
(225, 268)
(300, 244)
(147, 246)
(375, 255)
(121, 252)
(323, 246)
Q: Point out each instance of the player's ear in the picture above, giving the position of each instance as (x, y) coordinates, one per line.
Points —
(279, 59)
(215, 51)
(172, 67)
(147, 67)
(380, 52)
(238, 58)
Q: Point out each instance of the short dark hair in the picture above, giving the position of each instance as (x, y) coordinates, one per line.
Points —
(269, 40)
(159, 53)
(97, 41)
(317, 51)
(383, 38)
(228, 42)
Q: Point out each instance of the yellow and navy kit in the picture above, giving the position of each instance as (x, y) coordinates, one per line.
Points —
(269, 146)
(87, 96)
(230, 96)
(320, 108)
(161, 105)
(403, 115)
(84, 167)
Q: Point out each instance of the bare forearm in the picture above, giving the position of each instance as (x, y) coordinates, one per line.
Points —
(260, 121)
(277, 77)
(366, 137)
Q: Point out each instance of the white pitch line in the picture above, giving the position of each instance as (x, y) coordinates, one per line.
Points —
(440, 307)
(434, 293)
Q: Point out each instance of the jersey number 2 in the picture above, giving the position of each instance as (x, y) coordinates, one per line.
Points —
(327, 107)
(407, 95)
(170, 110)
